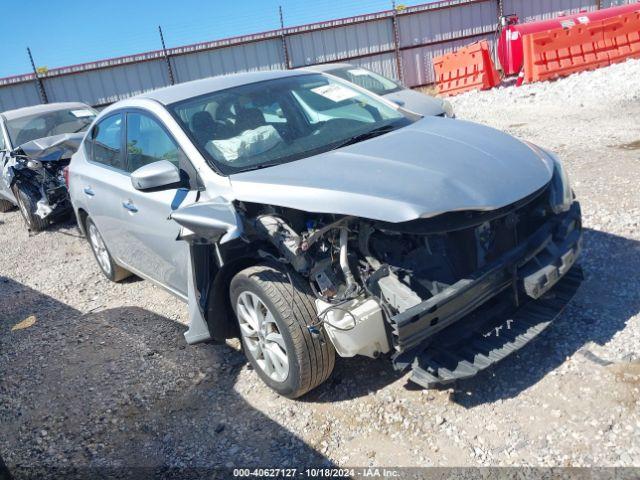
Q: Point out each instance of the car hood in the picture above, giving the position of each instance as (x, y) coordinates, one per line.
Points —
(433, 166)
(416, 102)
(53, 148)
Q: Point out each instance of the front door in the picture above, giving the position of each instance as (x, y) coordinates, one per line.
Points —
(152, 238)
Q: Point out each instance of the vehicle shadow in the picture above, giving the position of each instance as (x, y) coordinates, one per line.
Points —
(119, 393)
(607, 299)
(352, 378)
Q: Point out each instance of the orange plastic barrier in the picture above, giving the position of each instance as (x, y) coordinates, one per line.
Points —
(470, 68)
(561, 52)
(622, 37)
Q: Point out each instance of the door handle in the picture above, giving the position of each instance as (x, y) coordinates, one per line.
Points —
(89, 192)
(129, 206)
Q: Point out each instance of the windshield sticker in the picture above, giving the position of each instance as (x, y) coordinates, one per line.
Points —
(359, 72)
(334, 92)
(84, 113)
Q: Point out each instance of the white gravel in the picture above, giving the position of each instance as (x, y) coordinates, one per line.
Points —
(104, 378)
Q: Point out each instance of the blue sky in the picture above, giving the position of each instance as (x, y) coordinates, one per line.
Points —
(65, 32)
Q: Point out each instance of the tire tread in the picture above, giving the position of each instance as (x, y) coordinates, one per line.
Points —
(5, 206)
(317, 356)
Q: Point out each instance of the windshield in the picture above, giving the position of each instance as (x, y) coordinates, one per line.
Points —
(367, 79)
(31, 127)
(281, 120)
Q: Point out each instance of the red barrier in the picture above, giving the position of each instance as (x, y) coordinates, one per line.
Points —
(470, 68)
(561, 52)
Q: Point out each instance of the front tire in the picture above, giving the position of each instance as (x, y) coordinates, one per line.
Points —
(274, 330)
(28, 207)
(105, 261)
(5, 206)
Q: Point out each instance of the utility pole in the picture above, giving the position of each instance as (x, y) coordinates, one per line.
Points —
(166, 57)
(285, 49)
(396, 41)
(39, 83)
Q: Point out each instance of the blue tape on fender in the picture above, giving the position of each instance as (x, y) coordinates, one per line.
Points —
(181, 194)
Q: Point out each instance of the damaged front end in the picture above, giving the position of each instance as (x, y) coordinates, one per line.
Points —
(35, 172)
(447, 296)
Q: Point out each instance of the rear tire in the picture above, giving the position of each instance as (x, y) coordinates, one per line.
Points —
(279, 329)
(109, 267)
(6, 205)
(27, 207)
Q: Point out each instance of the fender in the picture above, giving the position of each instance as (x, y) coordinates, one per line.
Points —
(208, 227)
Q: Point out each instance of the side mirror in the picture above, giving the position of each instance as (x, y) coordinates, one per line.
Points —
(156, 176)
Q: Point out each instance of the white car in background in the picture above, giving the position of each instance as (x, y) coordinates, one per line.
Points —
(36, 144)
(389, 89)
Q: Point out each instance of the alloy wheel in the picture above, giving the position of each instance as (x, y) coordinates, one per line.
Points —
(262, 337)
(99, 248)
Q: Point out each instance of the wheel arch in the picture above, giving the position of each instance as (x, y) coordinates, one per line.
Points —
(213, 279)
(81, 219)
(220, 316)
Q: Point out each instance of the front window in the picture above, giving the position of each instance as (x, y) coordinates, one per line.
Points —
(367, 79)
(31, 127)
(148, 142)
(281, 120)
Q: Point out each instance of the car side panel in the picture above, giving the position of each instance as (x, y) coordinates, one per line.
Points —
(95, 188)
(5, 191)
(151, 237)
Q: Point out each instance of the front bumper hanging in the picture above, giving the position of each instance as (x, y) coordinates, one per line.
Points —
(479, 321)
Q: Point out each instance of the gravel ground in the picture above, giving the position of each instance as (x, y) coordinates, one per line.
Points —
(103, 378)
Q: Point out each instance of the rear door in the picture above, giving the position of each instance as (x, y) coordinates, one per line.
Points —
(102, 180)
(5, 192)
(154, 251)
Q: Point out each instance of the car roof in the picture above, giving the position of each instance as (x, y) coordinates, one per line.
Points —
(184, 91)
(43, 108)
(325, 67)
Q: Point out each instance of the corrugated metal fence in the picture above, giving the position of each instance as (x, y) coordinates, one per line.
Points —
(400, 44)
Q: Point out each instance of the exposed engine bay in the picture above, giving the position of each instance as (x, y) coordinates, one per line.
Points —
(404, 289)
(35, 172)
(367, 274)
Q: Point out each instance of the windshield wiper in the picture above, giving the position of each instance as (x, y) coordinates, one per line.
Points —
(366, 135)
(260, 166)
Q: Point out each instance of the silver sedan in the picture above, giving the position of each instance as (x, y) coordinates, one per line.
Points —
(309, 217)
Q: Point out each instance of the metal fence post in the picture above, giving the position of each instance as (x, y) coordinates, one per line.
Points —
(39, 83)
(166, 57)
(396, 42)
(285, 48)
